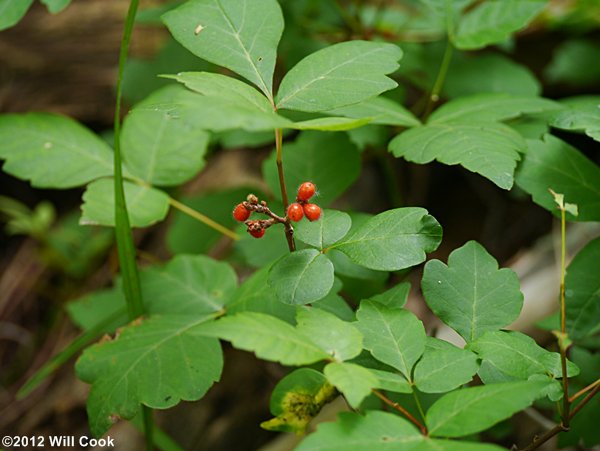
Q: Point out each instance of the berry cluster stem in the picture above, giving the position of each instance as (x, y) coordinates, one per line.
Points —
(289, 231)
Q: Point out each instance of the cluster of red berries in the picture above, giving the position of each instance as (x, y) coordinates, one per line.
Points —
(295, 212)
(302, 207)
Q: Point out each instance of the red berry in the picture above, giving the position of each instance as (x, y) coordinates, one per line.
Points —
(240, 213)
(257, 233)
(312, 212)
(306, 191)
(295, 212)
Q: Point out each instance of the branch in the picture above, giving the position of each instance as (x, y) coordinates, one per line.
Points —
(539, 441)
(400, 409)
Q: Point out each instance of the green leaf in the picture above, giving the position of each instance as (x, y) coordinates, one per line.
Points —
(375, 431)
(391, 381)
(192, 285)
(470, 294)
(393, 240)
(95, 308)
(489, 72)
(329, 160)
(52, 151)
(330, 124)
(486, 148)
(379, 431)
(394, 336)
(494, 21)
(341, 340)
(161, 148)
(582, 116)
(582, 292)
(554, 164)
(380, 110)
(354, 381)
(339, 75)
(517, 355)
(297, 399)
(301, 277)
(123, 371)
(241, 35)
(145, 205)
(226, 88)
(329, 229)
(395, 297)
(442, 369)
(12, 11)
(575, 62)
(268, 337)
(56, 6)
(219, 113)
(255, 295)
(470, 410)
(491, 107)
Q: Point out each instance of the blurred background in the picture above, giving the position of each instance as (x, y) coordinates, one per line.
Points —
(67, 63)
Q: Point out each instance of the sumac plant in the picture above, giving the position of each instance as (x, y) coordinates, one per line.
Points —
(326, 294)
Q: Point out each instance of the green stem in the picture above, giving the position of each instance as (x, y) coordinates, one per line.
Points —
(563, 321)
(419, 407)
(125, 246)
(439, 81)
(289, 231)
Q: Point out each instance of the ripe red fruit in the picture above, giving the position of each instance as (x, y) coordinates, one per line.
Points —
(295, 212)
(240, 213)
(257, 233)
(312, 212)
(306, 191)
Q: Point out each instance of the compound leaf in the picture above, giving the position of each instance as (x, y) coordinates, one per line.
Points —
(52, 151)
(123, 372)
(471, 294)
(339, 75)
(490, 149)
(393, 240)
(241, 35)
(394, 336)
